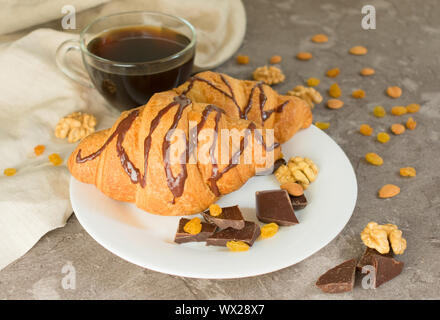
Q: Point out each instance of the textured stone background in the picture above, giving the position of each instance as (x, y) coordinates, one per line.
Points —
(404, 50)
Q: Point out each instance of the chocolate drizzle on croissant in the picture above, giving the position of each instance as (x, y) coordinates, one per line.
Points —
(176, 184)
(205, 179)
(120, 132)
(243, 114)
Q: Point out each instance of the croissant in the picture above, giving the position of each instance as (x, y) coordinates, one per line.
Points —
(250, 100)
(135, 160)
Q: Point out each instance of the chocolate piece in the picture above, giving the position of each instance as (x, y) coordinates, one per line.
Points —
(275, 206)
(248, 234)
(298, 202)
(338, 279)
(386, 269)
(366, 258)
(230, 217)
(182, 236)
(278, 163)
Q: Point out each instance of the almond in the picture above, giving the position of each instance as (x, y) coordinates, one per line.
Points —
(335, 103)
(293, 188)
(389, 191)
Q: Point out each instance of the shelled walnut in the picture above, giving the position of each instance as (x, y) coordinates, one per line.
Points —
(75, 126)
(309, 95)
(270, 75)
(380, 237)
(300, 170)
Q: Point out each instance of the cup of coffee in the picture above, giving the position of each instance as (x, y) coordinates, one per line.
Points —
(132, 55)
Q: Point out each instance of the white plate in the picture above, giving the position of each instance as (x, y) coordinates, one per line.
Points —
(147, 240)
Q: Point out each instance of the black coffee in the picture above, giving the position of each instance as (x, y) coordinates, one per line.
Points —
(134, 45)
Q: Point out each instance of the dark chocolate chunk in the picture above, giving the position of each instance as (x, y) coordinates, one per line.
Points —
(248, 234)
(182, 236)
(278, 163)
(386, 268)
(275, 206)
(366, 258)
(230, 217)
(338, 279)
(298, 202)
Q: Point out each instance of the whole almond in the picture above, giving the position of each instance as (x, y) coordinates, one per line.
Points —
(335, 103)
(304, 56)
(293, 188)
(367, 72)
(394, 92)
(275, 59)
(358, 50)
(389, 191)
(319, 38)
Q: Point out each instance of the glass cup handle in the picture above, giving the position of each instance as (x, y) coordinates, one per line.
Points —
(66, 68)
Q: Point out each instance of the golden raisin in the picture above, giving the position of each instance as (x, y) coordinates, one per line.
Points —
(38, 150)
(242, 59)
(408, 172)
(55, 159)
(237, 246)
(335, 104)
(413, 107)
(397, 128)
(275, 59)
(398, 110)
(319, 38)
(193, 226)
(269, 230)
(374, 159)
(10, 172)
(366, 130)
(383, 137)
(411, 123)
(358, 94)
(312, 82)
(358, 50)
(379, 111)
(332, 73)
(394, 92)
(335, 91)
(215, 210)
(304, 56)
(322, 125)
(367, 71)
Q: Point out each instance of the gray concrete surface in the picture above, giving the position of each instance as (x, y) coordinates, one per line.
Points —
(404, 50)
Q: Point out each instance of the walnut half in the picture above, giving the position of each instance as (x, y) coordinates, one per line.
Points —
(309, 95)
(270, 75)
(75, 126)
(380, 237)
(300, 170)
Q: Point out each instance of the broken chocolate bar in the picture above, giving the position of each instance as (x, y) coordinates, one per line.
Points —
(275, 206)
(366, 258)
(298, 202)
(230, 217)
(278, 163)
(248, 234)
(386, 268)
(338, 279)
(182, 236)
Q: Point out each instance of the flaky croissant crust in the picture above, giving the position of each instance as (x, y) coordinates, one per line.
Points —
(129, 161)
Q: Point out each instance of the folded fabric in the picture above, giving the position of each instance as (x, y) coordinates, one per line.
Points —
(34, 95)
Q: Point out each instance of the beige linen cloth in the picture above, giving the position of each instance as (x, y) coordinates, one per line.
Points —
(34, 95)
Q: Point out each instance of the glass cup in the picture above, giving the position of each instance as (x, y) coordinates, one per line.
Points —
(128, 85)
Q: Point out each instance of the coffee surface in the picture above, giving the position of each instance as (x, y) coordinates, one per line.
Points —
(138, 44)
